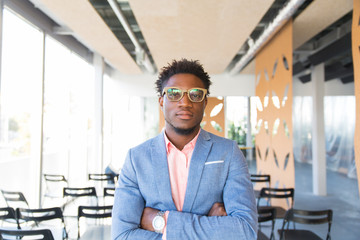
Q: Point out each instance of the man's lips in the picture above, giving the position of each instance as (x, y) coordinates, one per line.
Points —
(184, 114)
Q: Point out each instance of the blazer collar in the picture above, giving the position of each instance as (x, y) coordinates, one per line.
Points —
(197, 163)
(161, 170)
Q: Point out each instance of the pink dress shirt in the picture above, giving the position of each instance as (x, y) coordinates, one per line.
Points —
(178, 162)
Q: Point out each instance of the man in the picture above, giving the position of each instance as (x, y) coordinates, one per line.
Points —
(185, 183)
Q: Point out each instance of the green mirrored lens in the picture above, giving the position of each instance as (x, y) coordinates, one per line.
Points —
(174, 94)
(196, 95)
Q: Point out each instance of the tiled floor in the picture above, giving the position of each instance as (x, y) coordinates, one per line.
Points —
(342, 197)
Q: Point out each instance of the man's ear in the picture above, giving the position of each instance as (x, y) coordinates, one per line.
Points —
(161, 102)
(205, 102)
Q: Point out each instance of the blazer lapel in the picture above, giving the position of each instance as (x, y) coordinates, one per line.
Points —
(198, 159)
(161, 171)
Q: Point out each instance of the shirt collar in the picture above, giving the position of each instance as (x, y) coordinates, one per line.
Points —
(191, 144)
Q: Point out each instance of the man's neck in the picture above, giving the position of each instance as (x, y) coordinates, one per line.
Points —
(178, 140)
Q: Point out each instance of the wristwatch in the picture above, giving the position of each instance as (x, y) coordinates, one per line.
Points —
(159, 222)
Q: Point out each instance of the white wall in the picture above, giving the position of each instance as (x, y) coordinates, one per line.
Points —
(223, 85)
(332, 88)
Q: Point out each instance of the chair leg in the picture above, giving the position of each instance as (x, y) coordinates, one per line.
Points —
(65, 234)
(78, 228)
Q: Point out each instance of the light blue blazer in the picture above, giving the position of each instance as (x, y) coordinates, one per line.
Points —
(218, 173)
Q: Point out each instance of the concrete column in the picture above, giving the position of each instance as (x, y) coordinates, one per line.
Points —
(3, 128)
(318, 131)
(99, 66)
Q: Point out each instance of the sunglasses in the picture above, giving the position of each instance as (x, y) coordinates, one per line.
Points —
(175, 94)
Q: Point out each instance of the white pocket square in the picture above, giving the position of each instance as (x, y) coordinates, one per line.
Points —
(213, 162)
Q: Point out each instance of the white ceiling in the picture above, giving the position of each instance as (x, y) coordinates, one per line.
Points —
(212, 31)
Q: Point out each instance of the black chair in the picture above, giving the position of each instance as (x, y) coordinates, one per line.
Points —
(54, 185)
(265, 215)
(42, 234)
(277, 193)
(93, 212)
(73, 194)
(79, 192)
(101, 177)
(305, 217)
(8, 215)
(260, 178)
(15, 199)
(109, 192)
(100, 180)
(40, 215)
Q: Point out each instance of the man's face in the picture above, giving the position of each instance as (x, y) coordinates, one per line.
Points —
(184, 116)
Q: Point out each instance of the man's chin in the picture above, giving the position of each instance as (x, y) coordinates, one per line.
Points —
(184, 131)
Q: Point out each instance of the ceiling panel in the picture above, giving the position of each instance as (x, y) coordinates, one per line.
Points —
(316, 17)
(211, 31)
(82, 19)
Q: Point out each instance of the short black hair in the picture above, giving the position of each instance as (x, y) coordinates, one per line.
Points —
(182, 66)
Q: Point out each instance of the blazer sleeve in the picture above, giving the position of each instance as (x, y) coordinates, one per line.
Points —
(239, 201)
(128, 207)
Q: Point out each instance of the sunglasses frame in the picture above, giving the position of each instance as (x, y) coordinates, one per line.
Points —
(183, 92)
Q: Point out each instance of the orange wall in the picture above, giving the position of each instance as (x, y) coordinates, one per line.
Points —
(274, 147)
(356, 61)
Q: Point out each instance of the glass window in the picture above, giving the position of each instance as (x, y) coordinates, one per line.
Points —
(68, 113)
(21, 98)
(128, 121)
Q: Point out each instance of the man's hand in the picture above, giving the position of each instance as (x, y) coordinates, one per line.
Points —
(147, 218)
(149, 213)
(218, 209)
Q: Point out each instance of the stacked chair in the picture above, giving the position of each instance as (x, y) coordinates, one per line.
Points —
(38, 216)
(94, 213)
(54, 187)
(19, 221)
(25, 222)
(8, 217)
(41, 234)
(268, 194)
(260, 178)
(72, 195)
(305, 217)
(100, 181)
(15, 199)
(108, 194)
(266, 215)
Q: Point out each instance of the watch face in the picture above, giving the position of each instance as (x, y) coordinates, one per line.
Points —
(158, 223)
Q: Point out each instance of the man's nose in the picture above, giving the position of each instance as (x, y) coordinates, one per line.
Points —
(185, 101)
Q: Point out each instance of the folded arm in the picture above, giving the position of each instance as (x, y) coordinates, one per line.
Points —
(237, 220)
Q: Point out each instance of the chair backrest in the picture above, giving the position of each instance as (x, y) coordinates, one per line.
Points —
(42, 214)
(308, 217)
(42, 234)
(260, 178)
(14, 199)
(54, 186)
(8, 214)
(283, 193)
(101, 177)
(79, 192)
(109, 191)
(55, 178)
(39, 215)
(267, 214)
(94, 212)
